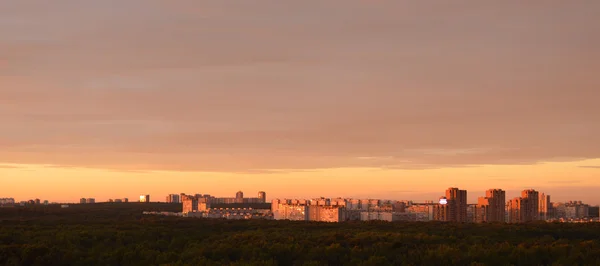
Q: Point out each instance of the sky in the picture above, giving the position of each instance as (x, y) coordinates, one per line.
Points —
(390, 99)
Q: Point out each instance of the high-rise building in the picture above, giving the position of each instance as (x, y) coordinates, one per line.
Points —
(239, 197)
(82, 201)
(545, 207)
(531, 211)
(262, 196)
(190, 203)
(491, 208)
(576, 210)
(456, 206)
(514, 210)
(91, 201)
(145, 198)
(173, 198)
(524, 209)
(441, 211)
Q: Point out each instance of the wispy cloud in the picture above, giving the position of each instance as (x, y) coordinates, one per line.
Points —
(564, 182)
(9, 166)
(590, 166)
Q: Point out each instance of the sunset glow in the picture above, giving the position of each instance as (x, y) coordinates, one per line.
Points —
(386, 99)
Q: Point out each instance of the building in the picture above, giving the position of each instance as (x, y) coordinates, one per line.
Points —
(232, 214)
(7, 202)
(452, 207)
(576, 210)
(82, 201)
(387, 216)
(291, 212)
(340, 209)
(90, 201)
(545, 207)
(531, 211)
(514, 210)
(173, 198)
(525, 208)
(262, 196)
(441, 211)
(319, 210)
(239, 197)
(203, 206)
(331, 214)
(145, 198)
(190, 203)
(308, 212)
(492, 207)
(423, 211)
(400, 206)
(471, 213)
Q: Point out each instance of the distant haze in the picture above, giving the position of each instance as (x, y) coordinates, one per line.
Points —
(367, 98)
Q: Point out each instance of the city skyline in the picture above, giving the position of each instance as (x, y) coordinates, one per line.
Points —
(473, 198)
(396, 99)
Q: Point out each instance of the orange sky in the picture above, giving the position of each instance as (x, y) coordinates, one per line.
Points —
(395, 99)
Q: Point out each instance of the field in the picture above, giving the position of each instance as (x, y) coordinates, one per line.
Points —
(118, 234)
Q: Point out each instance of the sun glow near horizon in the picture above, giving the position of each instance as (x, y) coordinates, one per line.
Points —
(68, 184)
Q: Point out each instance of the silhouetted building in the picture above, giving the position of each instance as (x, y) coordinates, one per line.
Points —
(525, 208)
(545, 207)
(531, 211)
(492, 207)
(145, 198)
(455, 207)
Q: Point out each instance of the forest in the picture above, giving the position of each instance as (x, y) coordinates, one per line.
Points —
(118, 234)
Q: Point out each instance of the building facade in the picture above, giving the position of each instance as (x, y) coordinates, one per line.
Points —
(453, 208)
(531, 211)
(544, 207)
(492, 207)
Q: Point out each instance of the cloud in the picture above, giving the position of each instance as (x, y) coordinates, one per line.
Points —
(590, 166)
(502, 179)
(267, 87)
(4, 166)
(564, 182)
